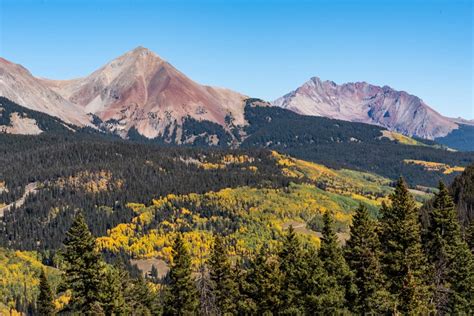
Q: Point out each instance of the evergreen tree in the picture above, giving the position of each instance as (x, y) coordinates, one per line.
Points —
(261, 286)
(331, 255)
(453, 271)
(461, 275)
(224, 287)
(470, 236)
(363, 257)
(322, 294)
(404, 263)
(83, 267)
(45, 303)
(112, 299)
(143, 300)
(182, 296)
(291, 267)
(154, 274)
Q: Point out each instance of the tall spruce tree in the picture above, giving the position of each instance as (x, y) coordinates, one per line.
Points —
(182, 297)
(363, 257)
(332, 256)
(453, 271)
(322, 295)
(112, 299)
(404, 262)
(261, 286)
(45, 305)
(83, 267)
(291, 267)
(142, 300)
(224, 286)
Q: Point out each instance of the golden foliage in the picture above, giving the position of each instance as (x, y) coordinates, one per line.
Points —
(61, 301)
(19, 276)
(258, 213)
(343, 182)
(91, 181)
(435, 166)
(402, 139)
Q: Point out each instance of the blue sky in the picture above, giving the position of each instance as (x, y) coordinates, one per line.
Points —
(260, 48)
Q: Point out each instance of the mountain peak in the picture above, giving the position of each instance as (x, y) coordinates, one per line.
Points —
(141, 51)
(362, 102)
(139, 89)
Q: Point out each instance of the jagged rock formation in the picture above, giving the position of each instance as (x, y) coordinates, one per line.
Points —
(362, 102)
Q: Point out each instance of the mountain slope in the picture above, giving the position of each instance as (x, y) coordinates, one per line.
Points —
(362, 102)
(461, 138)
(15, 119)
(19, 85)
(142, 91)
(349, 145)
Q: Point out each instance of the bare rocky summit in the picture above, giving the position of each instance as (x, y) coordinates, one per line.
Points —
(143, 91)
(362, 102)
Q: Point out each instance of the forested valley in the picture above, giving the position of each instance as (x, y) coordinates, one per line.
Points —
(392, 265)
(283, 224)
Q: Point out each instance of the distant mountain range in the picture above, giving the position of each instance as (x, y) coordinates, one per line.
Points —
(140, 94)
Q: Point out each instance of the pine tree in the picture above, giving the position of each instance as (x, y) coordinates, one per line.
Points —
(143, 300)
(363, 257)
(331, 255)
(291, 266)
(182, 296)
(470, 236)
(112, 299)
(261, 286)
(453, 271)
(45, 303)
(404, 263)
(83, 270)
(224, 287)
(322, 294)
(154, 274)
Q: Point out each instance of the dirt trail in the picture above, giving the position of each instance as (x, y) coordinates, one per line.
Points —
(29, 189)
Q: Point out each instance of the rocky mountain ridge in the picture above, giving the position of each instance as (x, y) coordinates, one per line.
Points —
(362, 102)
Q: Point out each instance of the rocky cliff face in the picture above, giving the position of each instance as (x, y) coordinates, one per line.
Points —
(362, 102)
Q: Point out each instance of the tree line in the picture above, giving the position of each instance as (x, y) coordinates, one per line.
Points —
(388, 266)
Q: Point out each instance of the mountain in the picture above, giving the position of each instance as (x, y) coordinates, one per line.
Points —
(16, 119)
(362, 102)
(141, 91)
(140, 96)
(349, 145)
(20, 86)
(461, 138)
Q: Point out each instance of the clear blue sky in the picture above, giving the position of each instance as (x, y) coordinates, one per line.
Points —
(260, 48)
